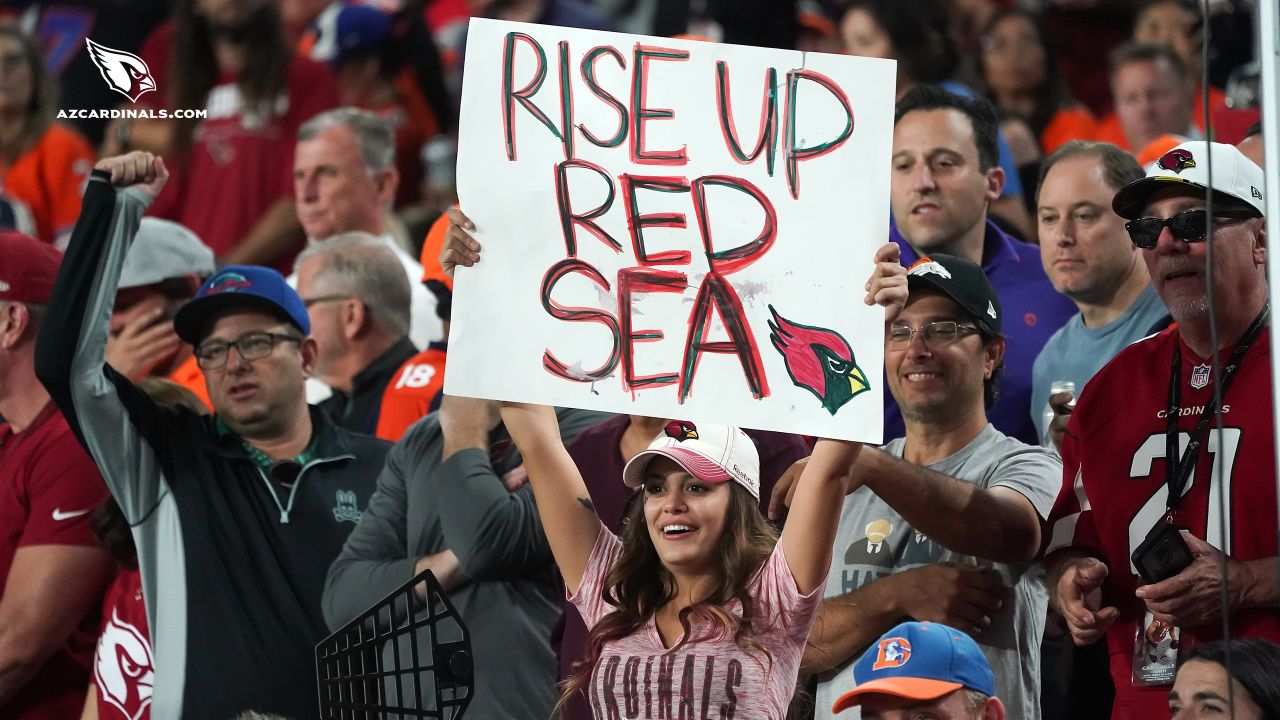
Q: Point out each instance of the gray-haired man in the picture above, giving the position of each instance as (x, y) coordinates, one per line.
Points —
(357, 298)
(344, 180)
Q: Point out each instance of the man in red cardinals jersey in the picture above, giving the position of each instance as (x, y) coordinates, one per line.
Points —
(1147, 405)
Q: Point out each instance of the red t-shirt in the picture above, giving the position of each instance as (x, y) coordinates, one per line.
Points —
(50, 179)
(240, 162)
(48, 487)
(123, 666)
(1114, 465)
(413, 392)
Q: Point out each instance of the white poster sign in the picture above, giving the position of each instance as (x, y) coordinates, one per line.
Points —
(673, 228)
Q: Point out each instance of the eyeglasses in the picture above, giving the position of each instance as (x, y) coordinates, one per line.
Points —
(942, 332)
(1188, 226)
(251, 346)
(308, 302)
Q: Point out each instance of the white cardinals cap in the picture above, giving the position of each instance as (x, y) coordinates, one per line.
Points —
(1236, 179)
(711, 453)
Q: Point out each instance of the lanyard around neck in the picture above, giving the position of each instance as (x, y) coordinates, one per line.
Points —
(1178, 469)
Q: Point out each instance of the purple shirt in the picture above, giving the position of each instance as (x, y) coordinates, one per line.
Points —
(599, 458)
(1033, 311)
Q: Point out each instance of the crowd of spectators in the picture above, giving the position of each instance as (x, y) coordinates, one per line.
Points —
(223, 432)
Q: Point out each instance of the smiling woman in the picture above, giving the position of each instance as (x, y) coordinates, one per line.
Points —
(698, 605)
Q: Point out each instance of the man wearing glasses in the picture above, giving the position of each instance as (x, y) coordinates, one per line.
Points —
(236, 516)
(1136, 553)
(357, 298)
(956, 505)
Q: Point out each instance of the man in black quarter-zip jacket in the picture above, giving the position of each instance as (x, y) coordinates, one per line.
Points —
(236, 516)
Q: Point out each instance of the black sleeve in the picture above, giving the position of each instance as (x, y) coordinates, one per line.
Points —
(116, 423)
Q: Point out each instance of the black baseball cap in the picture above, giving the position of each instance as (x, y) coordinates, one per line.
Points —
(964, 282)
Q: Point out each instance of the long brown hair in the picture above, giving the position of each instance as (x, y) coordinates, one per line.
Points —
(41, 108)
(194, 66)
(638, 584)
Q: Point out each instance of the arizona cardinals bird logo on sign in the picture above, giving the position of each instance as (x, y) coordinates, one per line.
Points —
(124, 72)
(818, 360)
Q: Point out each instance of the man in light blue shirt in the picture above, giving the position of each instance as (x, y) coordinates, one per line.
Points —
(1089, 258)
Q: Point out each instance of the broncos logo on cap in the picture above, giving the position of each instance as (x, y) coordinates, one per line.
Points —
(892, 652)
(681, 430)
(1176, 160)
(927, 266)
(229, 282)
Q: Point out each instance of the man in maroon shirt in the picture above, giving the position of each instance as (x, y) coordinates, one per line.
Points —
(53, 569)
(232, 179)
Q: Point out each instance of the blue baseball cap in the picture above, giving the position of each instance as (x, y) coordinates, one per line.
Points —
(359, 29)
(245, 286)
(919, 661)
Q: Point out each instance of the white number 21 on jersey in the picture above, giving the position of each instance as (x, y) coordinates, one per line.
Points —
(1151, 512)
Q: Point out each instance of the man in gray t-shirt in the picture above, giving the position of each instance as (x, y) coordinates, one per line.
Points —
(945, 524)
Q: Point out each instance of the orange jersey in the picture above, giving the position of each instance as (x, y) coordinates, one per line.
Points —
(432, 244)
(50, 179)
(1109, 130)
(1073, 123)
(414, 391)
(189, 376)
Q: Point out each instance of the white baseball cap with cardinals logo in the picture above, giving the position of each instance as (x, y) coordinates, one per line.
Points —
(1236, 179)
(711, 453)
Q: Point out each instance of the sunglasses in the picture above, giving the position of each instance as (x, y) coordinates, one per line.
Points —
(1188, 226)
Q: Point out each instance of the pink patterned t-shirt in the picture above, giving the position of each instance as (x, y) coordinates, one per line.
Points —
(711, 677)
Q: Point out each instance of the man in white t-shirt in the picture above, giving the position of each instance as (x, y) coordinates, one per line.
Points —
(344, 180)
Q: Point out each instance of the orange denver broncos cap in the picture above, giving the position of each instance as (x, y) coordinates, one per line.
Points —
(919, 661)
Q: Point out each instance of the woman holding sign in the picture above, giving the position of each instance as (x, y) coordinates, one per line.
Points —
(699, 608)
